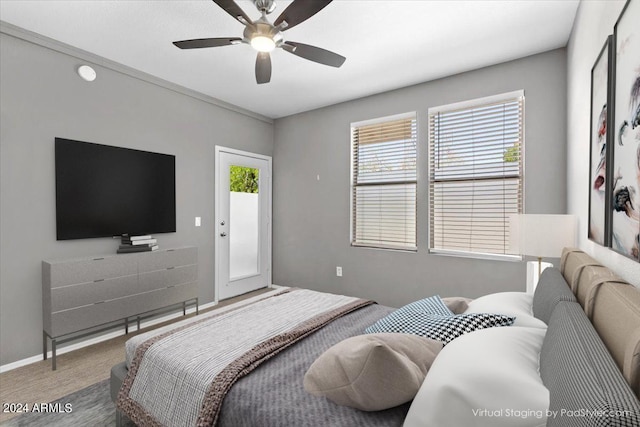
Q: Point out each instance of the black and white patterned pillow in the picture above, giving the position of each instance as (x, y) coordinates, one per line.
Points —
(446, 329)
(441, 328)
(432, 305)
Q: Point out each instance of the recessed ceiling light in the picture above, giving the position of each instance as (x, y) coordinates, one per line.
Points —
(87, 73)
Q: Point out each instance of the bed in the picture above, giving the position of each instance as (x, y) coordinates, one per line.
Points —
(570, 357)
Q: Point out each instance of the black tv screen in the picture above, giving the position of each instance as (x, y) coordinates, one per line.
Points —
(110, 191)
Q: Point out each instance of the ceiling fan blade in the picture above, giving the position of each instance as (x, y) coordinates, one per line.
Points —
(263, 68)
(299, 11)
(315, 54)
(200, 43)
(233, 9)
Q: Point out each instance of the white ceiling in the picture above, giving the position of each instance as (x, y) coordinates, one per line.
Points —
(388, 44)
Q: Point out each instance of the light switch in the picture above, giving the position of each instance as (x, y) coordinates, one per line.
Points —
(198, 222)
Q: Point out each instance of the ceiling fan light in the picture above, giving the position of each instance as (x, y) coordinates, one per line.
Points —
(263, 43)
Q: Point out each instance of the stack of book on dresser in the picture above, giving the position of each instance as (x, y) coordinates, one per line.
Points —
(130, 244)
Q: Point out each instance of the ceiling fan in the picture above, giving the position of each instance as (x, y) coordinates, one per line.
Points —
(264, 36)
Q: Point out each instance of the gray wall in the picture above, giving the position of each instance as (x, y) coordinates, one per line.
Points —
(42, 97)
(594, 22)
(311, 217)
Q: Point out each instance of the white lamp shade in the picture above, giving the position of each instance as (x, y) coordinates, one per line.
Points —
(541, 235)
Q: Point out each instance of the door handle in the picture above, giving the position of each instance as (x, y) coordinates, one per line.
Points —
(223, 234)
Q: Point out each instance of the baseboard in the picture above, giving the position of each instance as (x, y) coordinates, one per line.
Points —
(75, 346)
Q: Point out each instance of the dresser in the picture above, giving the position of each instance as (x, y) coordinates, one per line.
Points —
(81, 295)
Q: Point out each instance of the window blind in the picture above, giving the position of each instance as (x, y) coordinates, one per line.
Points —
(384, 183)
(476, 174)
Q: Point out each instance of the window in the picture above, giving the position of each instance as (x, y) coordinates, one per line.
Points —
(384, 183)
(475, 174)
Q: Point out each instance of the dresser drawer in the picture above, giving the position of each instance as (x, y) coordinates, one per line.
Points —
(90, 270)
(172, 276)
(148, 301)
(163, 259)
(64, 322)
(72, 296)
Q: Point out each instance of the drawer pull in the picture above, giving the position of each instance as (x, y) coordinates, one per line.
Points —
(170, 268)
(98, 280)
(171, 286)
(99, 302)
(98, 259)
(170, 250)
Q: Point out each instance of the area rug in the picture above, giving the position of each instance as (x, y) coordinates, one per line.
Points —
(91, 406)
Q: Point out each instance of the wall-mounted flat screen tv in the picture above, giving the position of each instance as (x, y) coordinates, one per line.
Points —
(106, 191)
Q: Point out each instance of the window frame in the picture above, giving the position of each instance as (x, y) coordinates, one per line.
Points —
(471, 104)
(352, 187)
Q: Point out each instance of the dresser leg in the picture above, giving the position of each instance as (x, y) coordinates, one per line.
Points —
(44, 345)
(184, 308)
(197, 307)
(53, 354)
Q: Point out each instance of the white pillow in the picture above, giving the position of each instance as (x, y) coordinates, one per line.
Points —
(487, 378)
(516, 304)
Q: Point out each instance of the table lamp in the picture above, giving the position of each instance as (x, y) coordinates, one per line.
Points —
(541, 236)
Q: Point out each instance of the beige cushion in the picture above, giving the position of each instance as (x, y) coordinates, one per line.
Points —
(588, 282)
(616, 317)
(372, 372)
(631, 369)
(572, 264)
(613, 306)
(457, 305)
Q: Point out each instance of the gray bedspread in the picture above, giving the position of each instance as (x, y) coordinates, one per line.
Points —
(273, 395)
(180, 377)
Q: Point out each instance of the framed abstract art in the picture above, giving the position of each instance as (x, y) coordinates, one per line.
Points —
(600, 144)
(625, 153)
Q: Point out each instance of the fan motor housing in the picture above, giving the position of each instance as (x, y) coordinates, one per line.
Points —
(264, 29)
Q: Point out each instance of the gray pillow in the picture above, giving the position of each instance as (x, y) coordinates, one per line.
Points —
(457, 305)
(372, 372)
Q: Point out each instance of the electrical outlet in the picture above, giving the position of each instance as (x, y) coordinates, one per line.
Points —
(198, 222)
(339, 271)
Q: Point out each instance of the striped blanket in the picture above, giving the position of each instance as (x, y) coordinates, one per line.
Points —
(180, 377)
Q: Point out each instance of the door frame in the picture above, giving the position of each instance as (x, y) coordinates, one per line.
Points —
(219, 149)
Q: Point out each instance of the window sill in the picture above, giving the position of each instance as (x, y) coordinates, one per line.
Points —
(412, 250)
(476, 255)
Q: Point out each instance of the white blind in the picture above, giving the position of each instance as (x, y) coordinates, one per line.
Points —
(476, 174)
(384, 184)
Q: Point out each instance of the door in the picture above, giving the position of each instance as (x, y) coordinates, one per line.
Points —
(243, 222)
